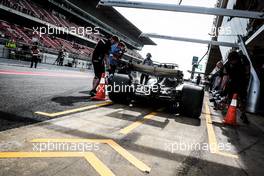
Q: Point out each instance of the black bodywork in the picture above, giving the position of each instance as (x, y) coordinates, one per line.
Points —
(165, 85)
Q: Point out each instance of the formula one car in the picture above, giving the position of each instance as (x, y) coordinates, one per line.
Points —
(164, 85)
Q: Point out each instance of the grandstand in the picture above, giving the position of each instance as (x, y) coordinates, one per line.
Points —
(19, 19)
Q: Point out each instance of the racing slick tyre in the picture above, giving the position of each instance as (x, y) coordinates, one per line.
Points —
(119, 88)
(191, 101)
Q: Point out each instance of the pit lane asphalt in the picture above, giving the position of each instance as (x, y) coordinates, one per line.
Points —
(22, 93)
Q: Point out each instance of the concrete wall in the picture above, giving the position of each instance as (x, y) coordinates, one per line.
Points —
(47, 58)
(3, 52)
(51, 58)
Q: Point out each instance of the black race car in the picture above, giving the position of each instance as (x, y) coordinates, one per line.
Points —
(165, 84)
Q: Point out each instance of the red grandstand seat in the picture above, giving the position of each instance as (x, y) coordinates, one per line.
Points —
(26, 35)
(10, 33)
(63, 43)
(30, 7)
(42, 16)
(48, 16)
(53, 43)
(57, 41)
(22, 34)
(65, 22)
(48, 43)
(5, 24)
(58, 21)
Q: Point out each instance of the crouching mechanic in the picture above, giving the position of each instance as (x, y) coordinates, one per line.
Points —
(101, 50)
(238, 70)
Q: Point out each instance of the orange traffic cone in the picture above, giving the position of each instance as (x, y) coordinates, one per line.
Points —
(101, 92)
(230, 118)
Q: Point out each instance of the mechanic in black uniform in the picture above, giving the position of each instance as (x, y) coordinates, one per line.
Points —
(238, 70)
(35, 55)
(101, 49)
(198, 80)
(61, 57)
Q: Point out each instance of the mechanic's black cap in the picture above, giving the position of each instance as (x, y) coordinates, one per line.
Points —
(149, 55)
(233, 55)
(115, 38)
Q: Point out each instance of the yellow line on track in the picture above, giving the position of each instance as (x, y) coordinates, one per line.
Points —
(98, 165)
(214, 147)
(210, 129)
(133, 160)
(39, 154)
(136, 124)
(119, 149)
(73, 110)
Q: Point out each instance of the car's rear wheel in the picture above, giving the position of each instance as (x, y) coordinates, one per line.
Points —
(192, 101)
(119, 88)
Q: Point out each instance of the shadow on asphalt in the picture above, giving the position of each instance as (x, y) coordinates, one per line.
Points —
(70, 100)
(188, 121)
(166, 113)
(175, 115)
(10, 121)
(128, 117)
(85, 92)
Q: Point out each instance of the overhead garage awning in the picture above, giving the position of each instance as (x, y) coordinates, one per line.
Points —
(114, 19)
(214, 57)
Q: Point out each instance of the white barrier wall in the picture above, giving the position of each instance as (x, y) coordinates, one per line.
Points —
(51, 58)
(3, 52)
